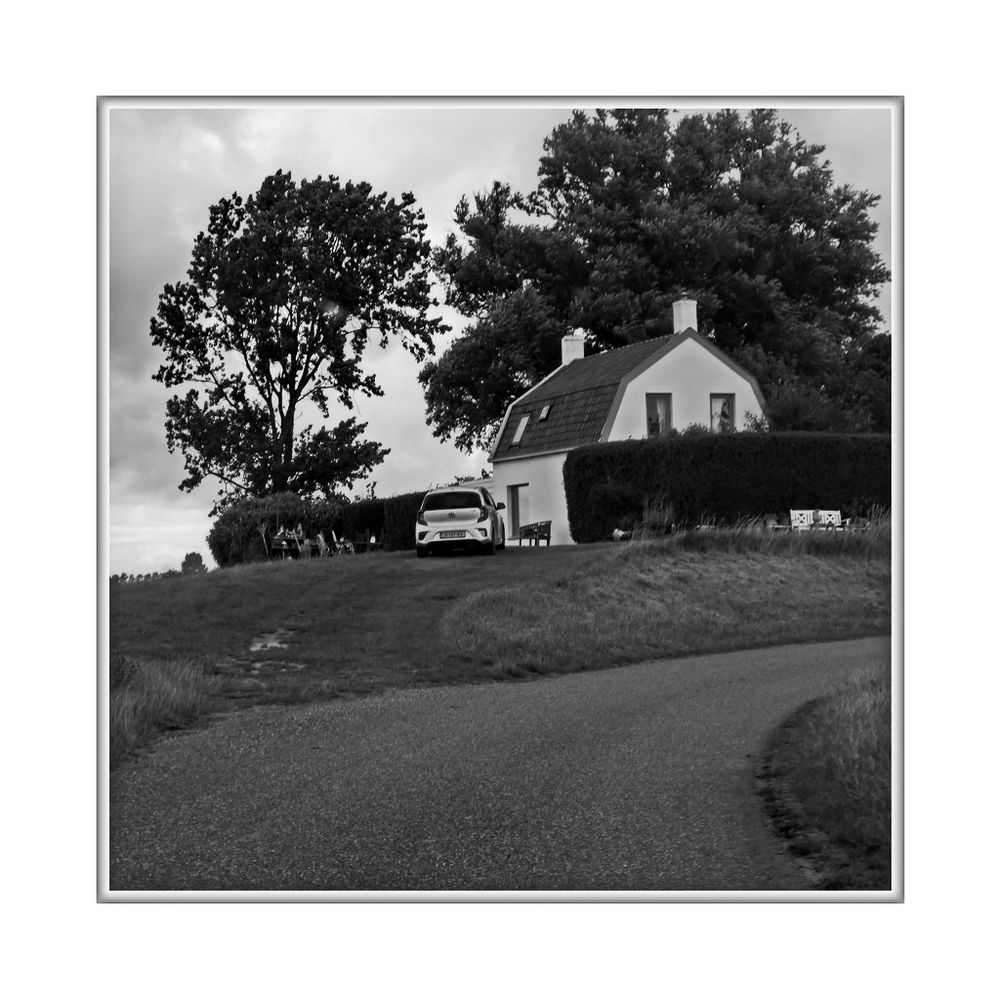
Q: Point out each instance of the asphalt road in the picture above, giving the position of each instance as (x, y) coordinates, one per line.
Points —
(637, 778)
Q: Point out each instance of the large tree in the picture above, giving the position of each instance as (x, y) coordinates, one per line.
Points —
(285, 290)
(636, 208)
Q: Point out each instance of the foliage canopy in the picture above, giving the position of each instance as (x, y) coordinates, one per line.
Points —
(193, 563)
(637, 208)
(285, 291)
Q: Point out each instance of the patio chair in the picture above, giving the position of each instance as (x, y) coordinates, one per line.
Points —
(322, 549)
(341, 546)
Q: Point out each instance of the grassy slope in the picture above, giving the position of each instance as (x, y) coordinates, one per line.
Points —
(664, 601)
(361, 624)
(356, 624)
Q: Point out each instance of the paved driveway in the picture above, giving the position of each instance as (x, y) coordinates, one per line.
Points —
(637, 778)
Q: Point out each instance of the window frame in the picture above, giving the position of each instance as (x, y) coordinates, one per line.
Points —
(729, 397)
(651, 398)
(521, 428)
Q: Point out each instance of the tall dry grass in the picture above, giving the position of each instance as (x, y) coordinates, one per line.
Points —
(752, 535)
(150, 696)
(830, 783)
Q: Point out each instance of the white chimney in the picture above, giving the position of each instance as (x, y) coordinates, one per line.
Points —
(685, 315)
(572, 346)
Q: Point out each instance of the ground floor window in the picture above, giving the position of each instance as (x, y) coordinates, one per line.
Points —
(723, 406)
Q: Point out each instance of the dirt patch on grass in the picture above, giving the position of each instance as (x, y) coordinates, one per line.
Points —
(278, 639)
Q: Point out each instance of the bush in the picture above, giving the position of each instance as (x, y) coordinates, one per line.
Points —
(235, 536)
(726, 477)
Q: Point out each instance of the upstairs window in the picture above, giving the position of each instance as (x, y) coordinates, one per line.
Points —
(544, 415)
(723, 406)
(519, 433)
(659, 416)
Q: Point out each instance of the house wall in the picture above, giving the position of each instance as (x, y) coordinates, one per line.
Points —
(690, 373)
(544, 496)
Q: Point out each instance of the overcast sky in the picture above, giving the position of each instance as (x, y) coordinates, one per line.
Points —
(167, 165)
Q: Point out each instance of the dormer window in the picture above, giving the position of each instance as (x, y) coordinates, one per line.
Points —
(519, 433)
(544, 415)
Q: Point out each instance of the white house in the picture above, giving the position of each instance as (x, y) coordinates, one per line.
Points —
(637, 391)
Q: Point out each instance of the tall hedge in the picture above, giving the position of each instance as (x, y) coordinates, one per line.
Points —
(362, 519)
(724, 477)
(392, 519)
(400, 520)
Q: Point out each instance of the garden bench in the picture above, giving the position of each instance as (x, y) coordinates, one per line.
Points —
(820, 520)
(534, 533)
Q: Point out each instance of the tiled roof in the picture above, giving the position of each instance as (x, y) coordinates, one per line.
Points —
(580, 396)
(575, 418)
(598, 369)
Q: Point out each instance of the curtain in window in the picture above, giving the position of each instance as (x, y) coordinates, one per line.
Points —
(722, 412)
(657, 414)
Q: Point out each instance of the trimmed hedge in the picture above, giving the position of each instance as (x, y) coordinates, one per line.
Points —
(724, 477)
(362, 519)
(400, 519)
(391, 519)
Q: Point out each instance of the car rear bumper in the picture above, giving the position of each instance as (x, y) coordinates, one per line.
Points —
(441, 538)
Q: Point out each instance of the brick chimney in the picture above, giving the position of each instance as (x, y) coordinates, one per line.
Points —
(572, 346)
(685, 315)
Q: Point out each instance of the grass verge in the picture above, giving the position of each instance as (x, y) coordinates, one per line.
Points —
(827, 784)
(152, 696)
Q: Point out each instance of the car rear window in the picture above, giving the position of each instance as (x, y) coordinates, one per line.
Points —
(452, 501)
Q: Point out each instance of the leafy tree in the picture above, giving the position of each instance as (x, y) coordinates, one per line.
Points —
(193, 563)
(284, 292)
(633, 211)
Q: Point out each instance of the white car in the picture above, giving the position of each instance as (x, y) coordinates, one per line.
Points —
(459, 517)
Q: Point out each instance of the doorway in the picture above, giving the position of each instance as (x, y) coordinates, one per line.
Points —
(516, 509)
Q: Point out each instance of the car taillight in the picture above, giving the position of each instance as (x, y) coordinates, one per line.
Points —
(420, 518)
(484, 513)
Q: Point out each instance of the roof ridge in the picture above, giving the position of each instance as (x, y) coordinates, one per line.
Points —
(597, 369)
(625, 347)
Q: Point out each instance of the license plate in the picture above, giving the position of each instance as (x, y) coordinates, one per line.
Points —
(451, 534)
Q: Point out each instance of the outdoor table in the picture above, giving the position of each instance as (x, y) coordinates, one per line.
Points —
(288, 545)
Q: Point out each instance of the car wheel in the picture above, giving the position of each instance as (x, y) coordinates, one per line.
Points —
(491, 546)
(422, 552)
(502, 544)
